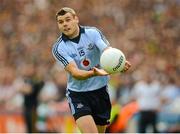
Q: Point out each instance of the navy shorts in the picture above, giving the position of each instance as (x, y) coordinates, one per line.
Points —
(96, 103)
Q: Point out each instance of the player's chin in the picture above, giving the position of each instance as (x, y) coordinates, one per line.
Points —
(66, 33)
(69, 34)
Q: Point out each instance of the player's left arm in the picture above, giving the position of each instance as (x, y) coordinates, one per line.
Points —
(103, 44)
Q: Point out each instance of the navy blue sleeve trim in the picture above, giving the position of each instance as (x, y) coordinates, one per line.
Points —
(59, 56)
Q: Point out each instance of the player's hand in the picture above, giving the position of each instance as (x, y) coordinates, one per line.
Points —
(126, 67)
(99, 72)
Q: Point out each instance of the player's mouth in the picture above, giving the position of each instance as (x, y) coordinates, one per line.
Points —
(67, 29)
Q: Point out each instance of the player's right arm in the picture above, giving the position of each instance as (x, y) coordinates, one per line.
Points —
(83, 74)
(70, 66)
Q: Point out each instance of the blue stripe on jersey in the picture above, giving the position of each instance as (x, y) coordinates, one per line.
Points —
(102, 36)
(58, 55)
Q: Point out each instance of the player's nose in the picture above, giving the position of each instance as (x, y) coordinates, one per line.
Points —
(65, 24)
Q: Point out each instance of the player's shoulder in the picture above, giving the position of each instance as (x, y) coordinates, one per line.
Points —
(59, 42)
(91, 29)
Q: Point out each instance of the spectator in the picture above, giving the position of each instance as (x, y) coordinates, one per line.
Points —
(30, 92)
(147, 94)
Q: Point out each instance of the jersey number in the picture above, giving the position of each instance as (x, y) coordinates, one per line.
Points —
(81, 52)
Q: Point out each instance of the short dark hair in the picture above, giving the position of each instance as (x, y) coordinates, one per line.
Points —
(65, 10)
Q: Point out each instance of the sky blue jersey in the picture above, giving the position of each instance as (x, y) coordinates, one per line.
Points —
(85, 50)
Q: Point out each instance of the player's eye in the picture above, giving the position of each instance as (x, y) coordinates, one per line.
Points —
(67, 20)
(60, 22)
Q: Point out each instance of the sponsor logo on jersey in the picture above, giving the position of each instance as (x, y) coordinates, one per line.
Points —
(85, 63)
(73, 55)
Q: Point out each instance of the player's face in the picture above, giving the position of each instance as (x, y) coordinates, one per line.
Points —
(68, 24)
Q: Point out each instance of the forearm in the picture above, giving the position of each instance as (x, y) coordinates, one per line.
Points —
(82, 74)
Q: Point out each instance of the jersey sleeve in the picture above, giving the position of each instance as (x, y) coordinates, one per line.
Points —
(100, 40)
(61, 56)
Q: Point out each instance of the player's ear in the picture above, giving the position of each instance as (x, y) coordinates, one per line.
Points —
(76, 18)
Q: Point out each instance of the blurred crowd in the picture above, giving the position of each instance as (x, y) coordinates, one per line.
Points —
(147, 31)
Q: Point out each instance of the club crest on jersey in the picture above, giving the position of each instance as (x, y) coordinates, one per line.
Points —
(85, 62)
(90, 46)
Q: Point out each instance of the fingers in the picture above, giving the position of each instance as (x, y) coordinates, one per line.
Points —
(100, 72)
(124, 70)
(126, 67)
(128, 64)
(95, 69)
